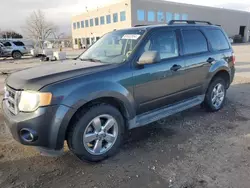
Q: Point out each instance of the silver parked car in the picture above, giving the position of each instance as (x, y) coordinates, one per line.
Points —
(15, 49)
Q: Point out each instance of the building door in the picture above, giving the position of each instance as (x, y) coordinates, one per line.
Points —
(242, 30)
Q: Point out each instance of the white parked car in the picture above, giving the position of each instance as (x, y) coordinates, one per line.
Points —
(231, 40)
(15, 49)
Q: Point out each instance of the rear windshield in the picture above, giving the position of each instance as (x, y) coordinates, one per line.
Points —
(19, 43)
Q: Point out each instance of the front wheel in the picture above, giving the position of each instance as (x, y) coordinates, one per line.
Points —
(97, 134)
(216, 95)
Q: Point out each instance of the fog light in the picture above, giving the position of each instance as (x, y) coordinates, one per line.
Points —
(28, 135)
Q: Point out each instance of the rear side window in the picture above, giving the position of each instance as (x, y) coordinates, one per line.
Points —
(18, 43)
(217, 39)
(194, 42)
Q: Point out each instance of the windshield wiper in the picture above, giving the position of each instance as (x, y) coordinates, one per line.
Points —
(90, 59)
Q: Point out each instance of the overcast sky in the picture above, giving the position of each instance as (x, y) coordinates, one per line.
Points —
(13, 13)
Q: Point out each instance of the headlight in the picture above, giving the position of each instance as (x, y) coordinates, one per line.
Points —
(31, 100)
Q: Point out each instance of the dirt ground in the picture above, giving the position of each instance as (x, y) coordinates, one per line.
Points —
(193, 149)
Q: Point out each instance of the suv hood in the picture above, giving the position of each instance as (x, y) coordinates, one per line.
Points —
(37, 77)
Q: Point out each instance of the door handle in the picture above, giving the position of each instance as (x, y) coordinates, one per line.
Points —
(175, 68)
(211, 60)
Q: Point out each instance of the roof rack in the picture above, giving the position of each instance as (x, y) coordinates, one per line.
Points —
(140, 25)
(188, 22)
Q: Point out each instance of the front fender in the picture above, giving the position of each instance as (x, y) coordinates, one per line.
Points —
(95, 90)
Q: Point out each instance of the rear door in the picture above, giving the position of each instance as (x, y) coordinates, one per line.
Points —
(220, 47)
(196, 54)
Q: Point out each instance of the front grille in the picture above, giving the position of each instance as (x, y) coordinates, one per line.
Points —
(11, 98)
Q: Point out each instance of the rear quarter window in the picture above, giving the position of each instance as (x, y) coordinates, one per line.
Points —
(18, 43)
(194, 42)
(217, 39)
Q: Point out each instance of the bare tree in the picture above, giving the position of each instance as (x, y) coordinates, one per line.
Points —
(39, 28)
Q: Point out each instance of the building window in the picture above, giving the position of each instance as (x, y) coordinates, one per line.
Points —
(96, 21)
(78, 25)
(122, 16)
(91, 23)
(102, 20)
(177, 16)
(76, 41)
(86, 23)
(82, 24)
(184, 17)
(74, 25)
(140, 15)
(87, 41)
(115, 17)
(108, 19)
(92, 40)
(169, 16)
(97, 38)
(151, 16)
(160, 16)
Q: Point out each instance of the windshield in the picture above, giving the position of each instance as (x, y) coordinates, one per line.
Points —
(114, 47)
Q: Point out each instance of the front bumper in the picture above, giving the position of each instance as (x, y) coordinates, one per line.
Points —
(44, 122)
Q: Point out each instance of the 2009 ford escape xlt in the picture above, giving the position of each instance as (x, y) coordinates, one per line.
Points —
(127, 79)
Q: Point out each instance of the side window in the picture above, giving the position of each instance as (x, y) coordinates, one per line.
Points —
(6, 44)
(164, 42)
(147, 46)
(217, 39)
(194, 42)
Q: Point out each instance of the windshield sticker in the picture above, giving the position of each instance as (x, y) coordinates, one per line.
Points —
(131, 37)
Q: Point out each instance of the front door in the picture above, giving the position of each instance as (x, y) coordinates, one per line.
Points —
(159, 84)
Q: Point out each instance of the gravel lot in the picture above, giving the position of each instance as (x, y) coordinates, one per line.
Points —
(193, 149)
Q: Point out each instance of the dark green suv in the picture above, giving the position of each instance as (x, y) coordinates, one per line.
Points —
(127, 79)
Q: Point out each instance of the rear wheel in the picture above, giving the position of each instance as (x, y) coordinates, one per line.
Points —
(216, 95)
(97, 134)
(17, 55)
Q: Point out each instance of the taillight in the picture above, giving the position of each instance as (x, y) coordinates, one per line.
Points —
(234, 59)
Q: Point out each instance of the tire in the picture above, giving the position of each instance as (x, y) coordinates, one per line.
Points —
(17, 55)
(214, 101)
(87, 127)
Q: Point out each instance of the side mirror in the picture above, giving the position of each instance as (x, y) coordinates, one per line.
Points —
(149, 57)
